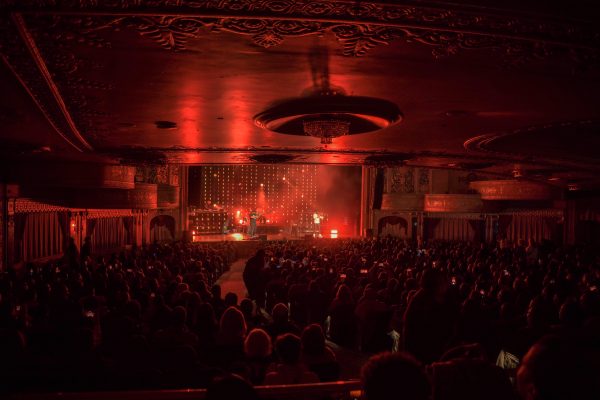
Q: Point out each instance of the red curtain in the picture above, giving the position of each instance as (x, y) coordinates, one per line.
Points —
(430, 225)
(504, 222)
(128, 224)
(63, 223)
(161, 223)
(525, 227)
(454, 229)
(107, 233)
(392, 225)
(42, 236)
(20, 221)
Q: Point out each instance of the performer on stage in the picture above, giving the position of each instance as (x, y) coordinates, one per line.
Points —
(226, 224)
(317, 223)
(252, 226)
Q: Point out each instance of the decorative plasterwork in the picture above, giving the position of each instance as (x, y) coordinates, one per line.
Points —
(74, 175)
(30, 206)
(20, 53)
(452, 215)
(168, 196)
(512, 190)
(402, 201)
(35, 38)
(453, 203)
(546, 212)
(95, 213)
(358, 25)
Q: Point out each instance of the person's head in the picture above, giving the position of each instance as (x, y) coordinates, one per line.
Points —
(230, 386)
(313, 340)
(231, 299)
(434, 282)
(246, 307)
(216, 291)
(571, 315)
(280, 313)
(560, 368)
(179, 316)
(394, 374)
(537, 315)
(344, 294)
(288, 348)
(233, 323)
(258, 344)
(206, 315)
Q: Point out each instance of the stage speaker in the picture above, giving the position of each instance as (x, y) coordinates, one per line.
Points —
(308, 237)
(262, 238)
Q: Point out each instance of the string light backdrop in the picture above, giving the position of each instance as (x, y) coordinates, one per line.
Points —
(282, 194)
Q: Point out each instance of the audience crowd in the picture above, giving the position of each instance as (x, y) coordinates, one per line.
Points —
(444, 320)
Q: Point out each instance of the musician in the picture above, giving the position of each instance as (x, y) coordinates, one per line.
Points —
(252, 226)
(317, 222)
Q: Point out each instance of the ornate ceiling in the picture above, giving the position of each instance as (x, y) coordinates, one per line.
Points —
(505, 88)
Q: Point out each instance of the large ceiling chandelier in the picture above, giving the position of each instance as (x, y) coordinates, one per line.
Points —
(325, 111)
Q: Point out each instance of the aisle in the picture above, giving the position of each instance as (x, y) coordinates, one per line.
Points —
(232, 280)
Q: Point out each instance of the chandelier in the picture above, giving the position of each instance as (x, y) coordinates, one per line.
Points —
(326, 129)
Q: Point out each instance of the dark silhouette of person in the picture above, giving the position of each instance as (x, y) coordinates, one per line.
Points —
(428, 323)
(560, 367)
(252, 276)
(86, 249)
(230, 386)
(394, 375)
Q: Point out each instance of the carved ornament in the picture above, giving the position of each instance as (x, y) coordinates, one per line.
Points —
(402, 201)
(512, 190)
(453, 203)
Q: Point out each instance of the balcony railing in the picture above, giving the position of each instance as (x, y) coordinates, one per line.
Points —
(341, 390)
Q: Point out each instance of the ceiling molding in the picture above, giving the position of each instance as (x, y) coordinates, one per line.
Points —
(359, 26)
(19, 52)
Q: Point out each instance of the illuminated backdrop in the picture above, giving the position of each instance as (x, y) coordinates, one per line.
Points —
(289, 195)
(283, 194)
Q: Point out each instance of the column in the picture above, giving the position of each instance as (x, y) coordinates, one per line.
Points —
(366, 200)
(3, 226)
(183, 202)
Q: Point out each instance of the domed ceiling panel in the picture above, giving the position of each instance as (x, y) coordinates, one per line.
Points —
(184, 79)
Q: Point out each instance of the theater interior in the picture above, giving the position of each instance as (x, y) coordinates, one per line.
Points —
(421, 121)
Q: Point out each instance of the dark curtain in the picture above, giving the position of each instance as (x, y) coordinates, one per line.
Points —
(379, 185)
(478, 226)
(42, 236)
(128, 224)
(91, 225)
(164, 220)
(503, 224)
(63, 222)
(555, 229)
(391, 220)
(108, 234)
(20, 222)
(453, 229)
(430, 225)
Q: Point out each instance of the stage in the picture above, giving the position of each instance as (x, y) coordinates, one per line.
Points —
(244, 237)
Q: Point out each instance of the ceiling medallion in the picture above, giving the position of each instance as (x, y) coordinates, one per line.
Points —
(327, 116)
(325, 111)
